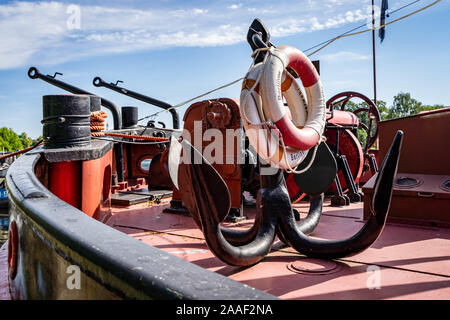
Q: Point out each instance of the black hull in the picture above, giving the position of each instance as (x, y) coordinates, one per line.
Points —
(53, 236)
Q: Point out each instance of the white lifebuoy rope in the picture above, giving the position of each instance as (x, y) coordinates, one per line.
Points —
(291, 158)
(253, 87)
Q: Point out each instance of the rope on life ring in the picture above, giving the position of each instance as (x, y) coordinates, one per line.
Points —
(296, 129)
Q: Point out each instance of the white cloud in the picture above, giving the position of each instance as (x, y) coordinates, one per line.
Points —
(343, 56)
(235, 6)
(199, 11)
(36, 32)
(22, 38)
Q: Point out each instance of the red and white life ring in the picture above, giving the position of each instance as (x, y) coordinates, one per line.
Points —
(301, 126)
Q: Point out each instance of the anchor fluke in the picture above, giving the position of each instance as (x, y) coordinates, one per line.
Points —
(364, 238)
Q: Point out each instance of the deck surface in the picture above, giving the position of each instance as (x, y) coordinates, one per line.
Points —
(406, 262)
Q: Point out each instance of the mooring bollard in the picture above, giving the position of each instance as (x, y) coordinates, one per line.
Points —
(66, 121)
(129, 117)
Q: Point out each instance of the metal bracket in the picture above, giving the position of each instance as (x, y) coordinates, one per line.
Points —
(54, 76)
(353, 193)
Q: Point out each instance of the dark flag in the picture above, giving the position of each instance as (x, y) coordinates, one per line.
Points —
(384, 7)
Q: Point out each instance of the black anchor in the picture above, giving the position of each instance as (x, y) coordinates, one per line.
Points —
(206, 196)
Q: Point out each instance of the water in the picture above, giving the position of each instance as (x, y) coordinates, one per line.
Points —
(4, 224)
(4, 217)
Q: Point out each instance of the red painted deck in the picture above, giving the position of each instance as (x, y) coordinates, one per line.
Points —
(406, 262)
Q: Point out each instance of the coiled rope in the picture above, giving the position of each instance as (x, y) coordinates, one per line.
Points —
(97, 124)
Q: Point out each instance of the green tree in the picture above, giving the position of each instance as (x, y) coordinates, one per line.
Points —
(37, 140)
(363, 117)
(9, 140)
(404, 105)
(383, 110)
(26, 140)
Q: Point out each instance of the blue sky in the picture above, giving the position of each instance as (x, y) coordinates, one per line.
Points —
(175, 50)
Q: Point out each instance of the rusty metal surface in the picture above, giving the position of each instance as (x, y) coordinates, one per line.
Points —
(220, 114)
(425, 156)
(426, 147)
